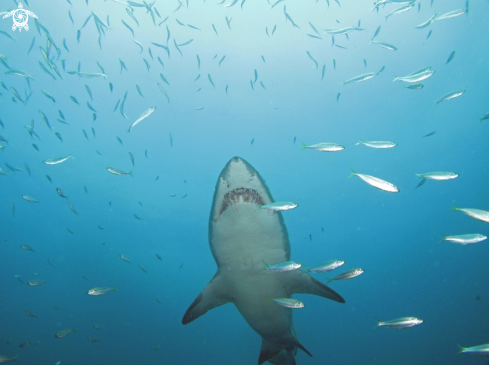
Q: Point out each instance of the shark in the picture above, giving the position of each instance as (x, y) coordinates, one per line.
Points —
(243, 240)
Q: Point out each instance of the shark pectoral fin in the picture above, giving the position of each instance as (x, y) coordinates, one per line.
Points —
(212, 296)
(308, 285)
(271, 349)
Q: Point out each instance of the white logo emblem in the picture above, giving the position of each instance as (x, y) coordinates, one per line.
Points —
(20, 17)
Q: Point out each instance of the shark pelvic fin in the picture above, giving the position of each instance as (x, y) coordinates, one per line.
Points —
(284, 357)
(211, 297)
(270, 348)
(306, 284)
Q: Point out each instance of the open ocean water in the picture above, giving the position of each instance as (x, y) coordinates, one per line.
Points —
(253, 79)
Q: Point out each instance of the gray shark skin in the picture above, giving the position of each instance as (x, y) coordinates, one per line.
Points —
(241, 239)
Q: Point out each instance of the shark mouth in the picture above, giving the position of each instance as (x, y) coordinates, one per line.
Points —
(241, 195)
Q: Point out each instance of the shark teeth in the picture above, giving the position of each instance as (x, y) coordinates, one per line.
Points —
(241, 195)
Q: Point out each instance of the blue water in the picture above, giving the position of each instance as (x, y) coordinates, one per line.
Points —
(393, 237)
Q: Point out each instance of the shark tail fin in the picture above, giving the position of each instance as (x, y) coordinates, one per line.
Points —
(270, 349)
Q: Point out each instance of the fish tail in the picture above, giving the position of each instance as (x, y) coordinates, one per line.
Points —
(269, 300)
(130, 173)
(454, 208)
(115, 288)
(74, 329)
(461, 350)
(303, 147)
(443, 240)
(353, 173)
(267, 266)
(378, 324)
(359, 143)
(329, 280)
(481, 119)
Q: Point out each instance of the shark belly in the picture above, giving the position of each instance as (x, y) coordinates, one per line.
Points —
(243, 240)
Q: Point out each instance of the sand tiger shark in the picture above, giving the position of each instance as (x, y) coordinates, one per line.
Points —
(243, 240)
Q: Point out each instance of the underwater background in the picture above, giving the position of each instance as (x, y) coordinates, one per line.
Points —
(268, 94)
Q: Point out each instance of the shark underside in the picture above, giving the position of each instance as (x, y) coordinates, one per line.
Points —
(243, 240)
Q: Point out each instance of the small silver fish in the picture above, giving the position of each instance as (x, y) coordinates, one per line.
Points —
(100, 290)
(73, 208)
(400, 323)
(323, 147)
(416, 76)
(337, 31)
(376, 182)
(377, 144)
(124, 258)
(142, 117)
(439, 175)
(64, 333)
(481, 215)
(361, 78)
(348, 274)
(326, 266)
(400, 10)
(288, 302)
(451, 14)
(36, 282)
(449, 96)
(481, 350)
(426, 23)
(465, 239)
(388, 46)
(18, 72)
(56, 161)
(118, 172)
(29, 199)
(279, 206)
(284, 266)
